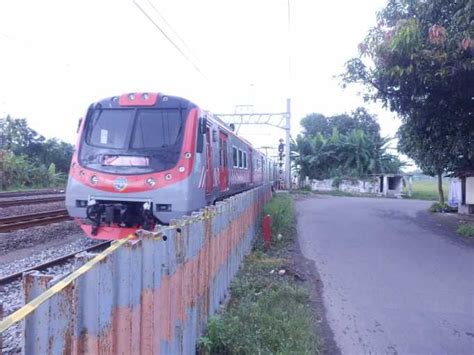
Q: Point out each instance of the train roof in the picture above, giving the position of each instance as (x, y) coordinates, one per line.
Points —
(144, 99)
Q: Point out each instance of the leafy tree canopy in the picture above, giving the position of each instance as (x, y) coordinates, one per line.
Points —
(418, 61)
(344, 145)
(20, 139)
(30, 160)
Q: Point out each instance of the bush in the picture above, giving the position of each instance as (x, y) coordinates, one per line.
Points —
(306, 188)
(442, 207)
(466, 230)
(20, 172)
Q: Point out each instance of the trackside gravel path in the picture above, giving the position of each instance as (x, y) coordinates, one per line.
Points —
(394, 281)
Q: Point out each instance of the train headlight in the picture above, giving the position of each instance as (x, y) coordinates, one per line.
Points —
(181, 169)
(150, 182)
(94, 179)
(131, 96)
(187, 155)
(145, 96)
(168, 177)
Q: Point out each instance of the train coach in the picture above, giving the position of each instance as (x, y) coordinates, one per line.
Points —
(147, 158)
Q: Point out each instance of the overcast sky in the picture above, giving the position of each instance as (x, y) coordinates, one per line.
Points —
(59, 56)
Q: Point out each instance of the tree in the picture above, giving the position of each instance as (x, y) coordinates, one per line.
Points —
(418, 61)
(24, 141)
(28, 159)
(343, 146)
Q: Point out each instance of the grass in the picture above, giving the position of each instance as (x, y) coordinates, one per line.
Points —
(427, 190)
(268, 313)
(466, 230)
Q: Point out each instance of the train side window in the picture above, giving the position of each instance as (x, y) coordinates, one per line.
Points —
(221, 157)
(240, 159)
(244, 165)
(235, 162)
(224, 152)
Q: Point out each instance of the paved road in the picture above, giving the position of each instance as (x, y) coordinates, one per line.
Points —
(392, 282)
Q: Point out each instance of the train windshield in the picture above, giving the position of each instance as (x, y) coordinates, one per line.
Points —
(143, 129)
(155, 134)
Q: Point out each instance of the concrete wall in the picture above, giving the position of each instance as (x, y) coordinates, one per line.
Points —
(359, 186)
(392, 186)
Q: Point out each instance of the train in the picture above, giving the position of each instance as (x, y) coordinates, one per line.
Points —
(143, 159)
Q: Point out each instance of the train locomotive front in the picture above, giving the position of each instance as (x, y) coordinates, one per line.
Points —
(137, 163)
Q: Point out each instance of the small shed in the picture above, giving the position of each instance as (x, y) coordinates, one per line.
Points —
(392, 184)
(466, 203)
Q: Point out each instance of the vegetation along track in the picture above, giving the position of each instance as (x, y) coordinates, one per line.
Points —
(30, 201)
(58, 261)
(9, 224)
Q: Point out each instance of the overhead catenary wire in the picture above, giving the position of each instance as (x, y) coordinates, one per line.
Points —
(175, 33)
(162, 31)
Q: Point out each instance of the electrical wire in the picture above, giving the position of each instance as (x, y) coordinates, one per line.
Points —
(172, 29)
(169, 39)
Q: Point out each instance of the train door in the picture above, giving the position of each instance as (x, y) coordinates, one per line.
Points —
(209, 175)
(250, 165)
(223, 163)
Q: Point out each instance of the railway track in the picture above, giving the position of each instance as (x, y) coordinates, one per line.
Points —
(8, 224)
(58, 261)
(30, 201)
(30, 193)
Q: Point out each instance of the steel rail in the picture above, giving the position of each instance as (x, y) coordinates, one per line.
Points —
(8, 224)
(9, 278)
(8, 194)
(30, 201)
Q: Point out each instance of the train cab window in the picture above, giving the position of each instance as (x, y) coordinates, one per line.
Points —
(240, 159)
(235, 162)
(156, 129)
(109, 128)
(244, 165)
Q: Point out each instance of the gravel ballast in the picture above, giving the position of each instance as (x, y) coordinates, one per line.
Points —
(27, 238)
(11, 294)
(28, 209)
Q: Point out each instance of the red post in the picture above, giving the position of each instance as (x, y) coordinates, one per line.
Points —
(267, 231)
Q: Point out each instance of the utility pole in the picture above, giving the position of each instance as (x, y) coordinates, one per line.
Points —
(287, 143)
(288, 107)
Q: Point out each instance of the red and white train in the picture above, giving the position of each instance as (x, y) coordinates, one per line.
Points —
(147, 158)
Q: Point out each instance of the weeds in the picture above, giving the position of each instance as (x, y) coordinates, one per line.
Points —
(442, 207)
(466, 230)
(269, 311)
